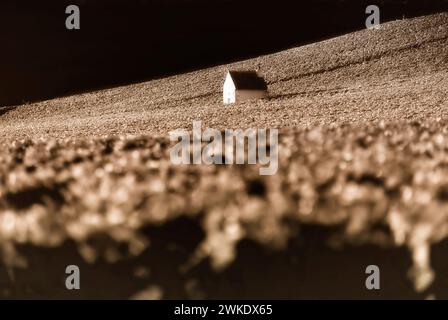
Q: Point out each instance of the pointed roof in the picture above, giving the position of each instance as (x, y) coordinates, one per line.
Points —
(248, 80)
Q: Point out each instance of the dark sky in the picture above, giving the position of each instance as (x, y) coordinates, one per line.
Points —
(133, 40)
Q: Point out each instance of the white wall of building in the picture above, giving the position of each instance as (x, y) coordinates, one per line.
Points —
(229, 90)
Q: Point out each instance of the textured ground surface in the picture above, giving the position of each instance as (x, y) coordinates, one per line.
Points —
(363, 158)
(397, 73)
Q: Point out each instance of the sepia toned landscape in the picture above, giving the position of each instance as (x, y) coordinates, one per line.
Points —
(363, 179)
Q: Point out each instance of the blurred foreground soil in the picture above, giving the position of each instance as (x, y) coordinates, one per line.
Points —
(137, 226)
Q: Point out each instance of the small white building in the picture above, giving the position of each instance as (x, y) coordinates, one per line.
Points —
(243, 85)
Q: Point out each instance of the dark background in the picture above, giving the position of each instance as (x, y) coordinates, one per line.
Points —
(133, 40)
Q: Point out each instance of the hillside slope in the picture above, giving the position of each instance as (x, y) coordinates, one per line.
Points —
(396, 73)
(362, 179)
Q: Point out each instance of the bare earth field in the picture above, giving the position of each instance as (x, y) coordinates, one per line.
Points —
(363, 179)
